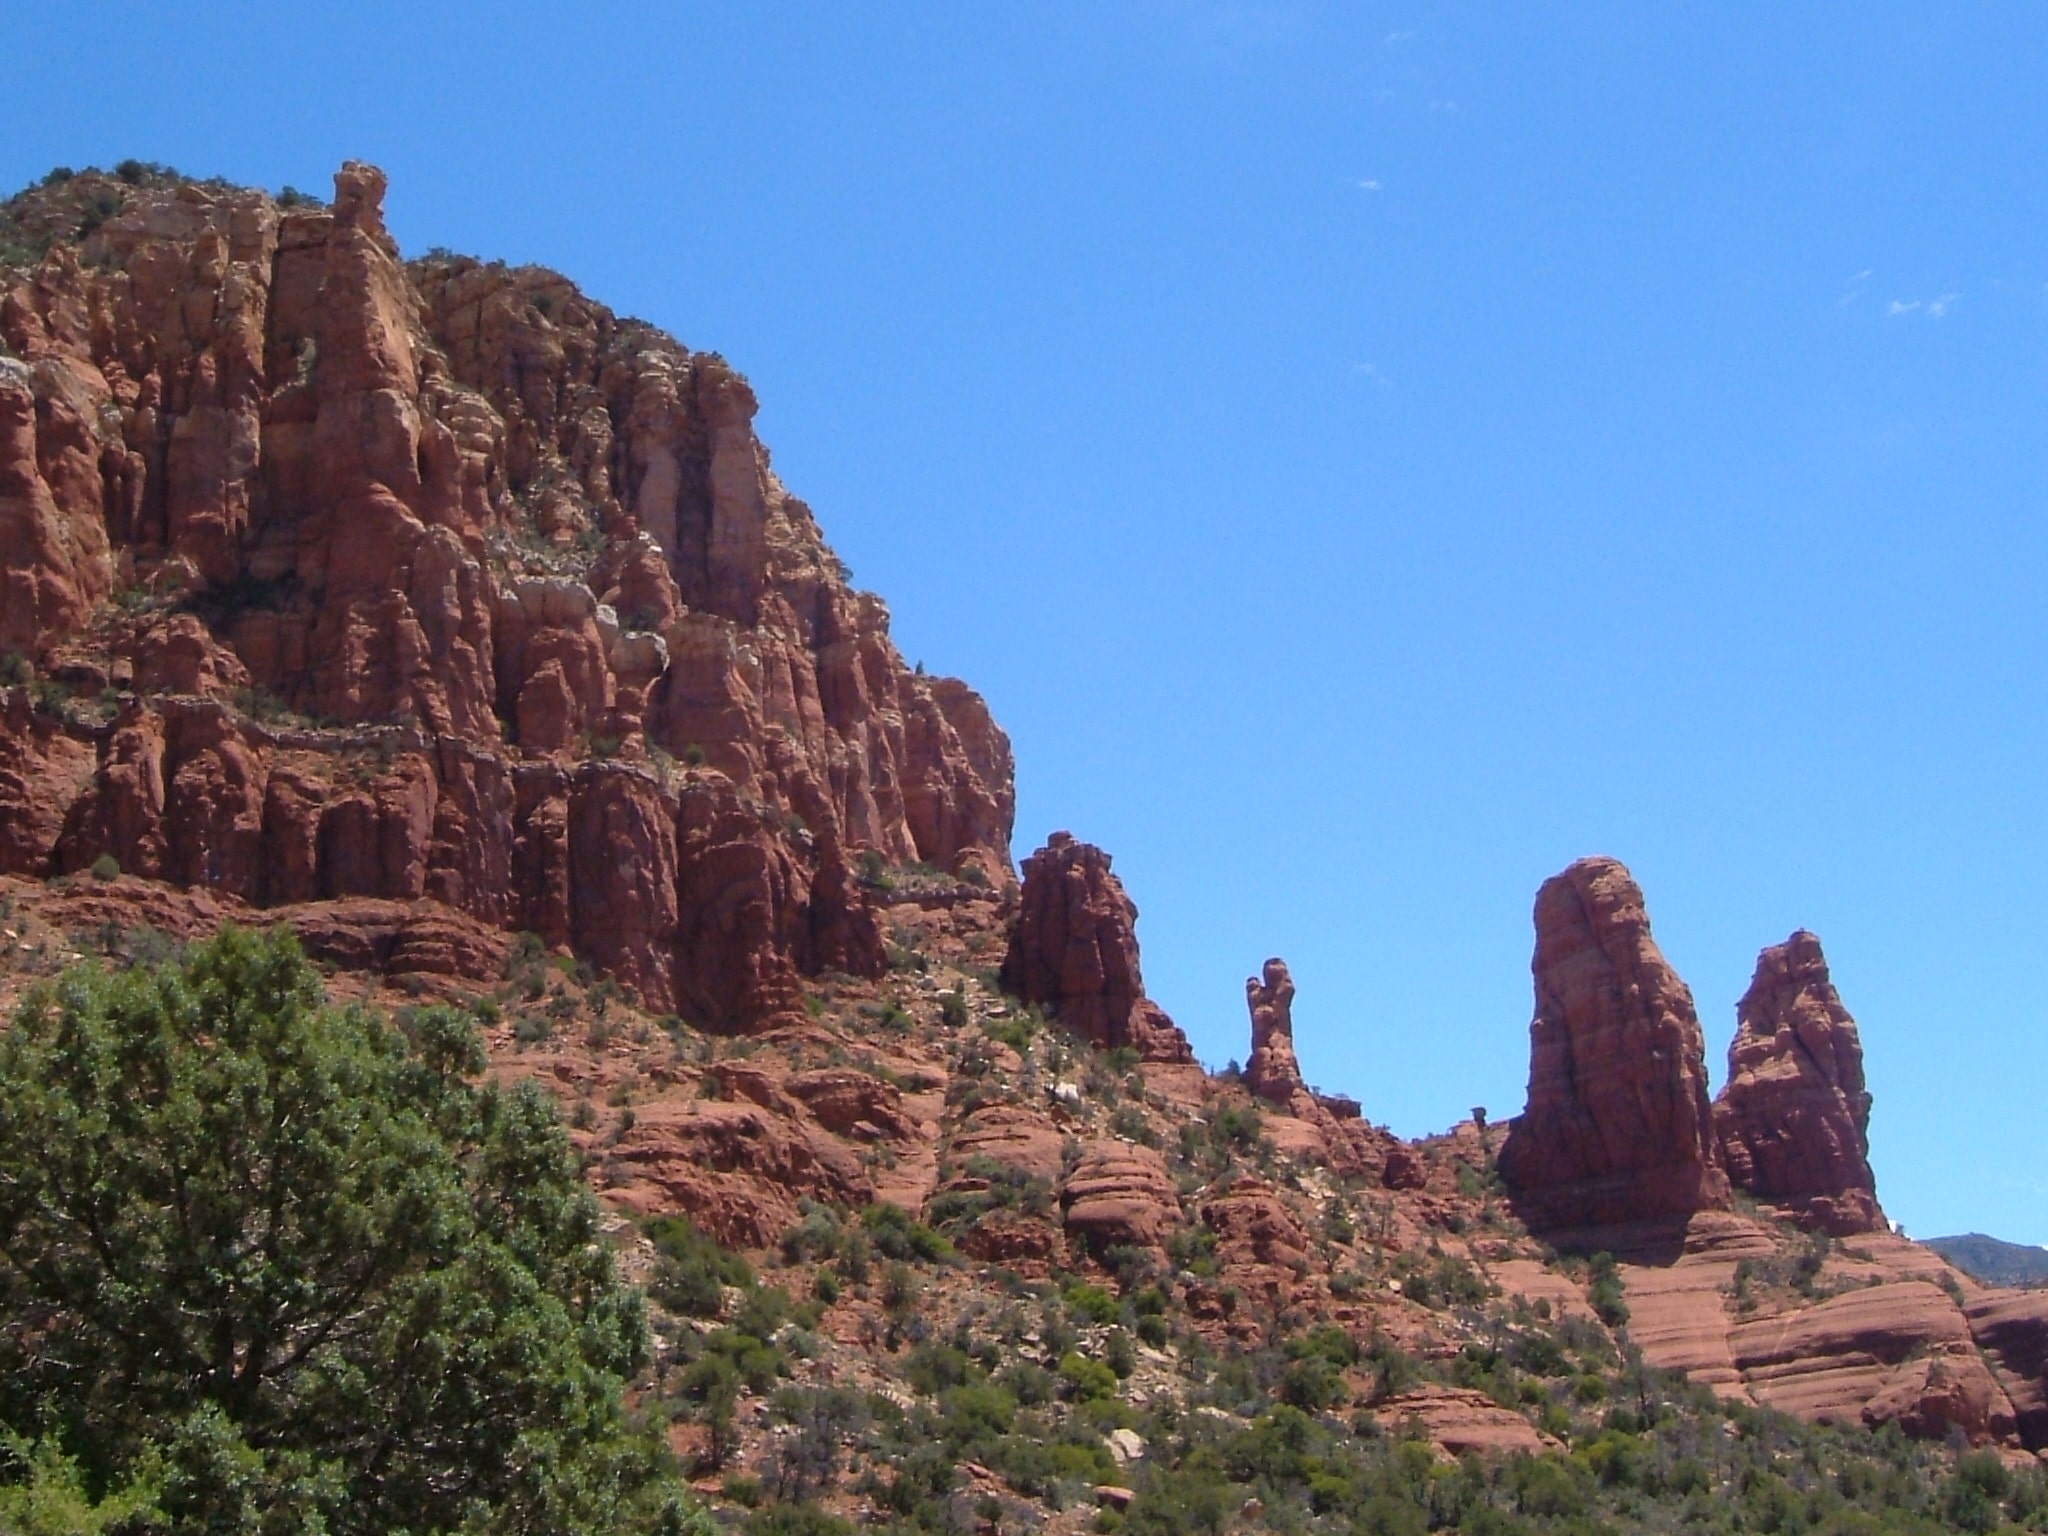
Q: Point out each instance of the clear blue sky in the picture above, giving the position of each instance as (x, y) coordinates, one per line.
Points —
(1368, 455)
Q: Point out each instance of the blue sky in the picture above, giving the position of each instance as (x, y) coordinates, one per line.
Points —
(1368, 455)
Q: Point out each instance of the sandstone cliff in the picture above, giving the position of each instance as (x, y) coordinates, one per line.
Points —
(1793, 1115)
(1618, 1128)
(338, 576)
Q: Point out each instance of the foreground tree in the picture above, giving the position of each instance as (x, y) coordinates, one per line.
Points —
(298, 1269)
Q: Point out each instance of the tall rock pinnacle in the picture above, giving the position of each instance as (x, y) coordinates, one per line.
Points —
(1793, 1118)
(1618, 1128)
(1273, 1072)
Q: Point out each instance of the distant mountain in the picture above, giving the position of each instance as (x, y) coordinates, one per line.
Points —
(1992, 1261)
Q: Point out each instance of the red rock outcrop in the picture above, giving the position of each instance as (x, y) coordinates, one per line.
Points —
(1793, 1116)
(1254, 1230)
(2011, 1328)
(1273, 1072)
(1075, 950)
(1119, 1193)
(1327, 1130)
(1459, 1421)
(1899, 1351)
(569, 657)
(1618, 1128)
(736, 1167)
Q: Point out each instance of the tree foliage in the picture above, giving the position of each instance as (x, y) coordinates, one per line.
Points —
(300, 1267)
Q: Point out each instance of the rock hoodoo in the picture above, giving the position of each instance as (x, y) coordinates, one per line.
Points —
(1325, 1128)
(1793, 1117)
(1273, 1072)
(1075, 950)
(340, 576)
(1618, 1128)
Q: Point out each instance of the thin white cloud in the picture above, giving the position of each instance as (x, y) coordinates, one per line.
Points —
(1853, 289)
(1403, 35)
(1935, 308)
(1372, 375)
(1367, 184)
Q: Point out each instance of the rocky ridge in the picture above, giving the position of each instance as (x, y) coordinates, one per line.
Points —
(576, 724)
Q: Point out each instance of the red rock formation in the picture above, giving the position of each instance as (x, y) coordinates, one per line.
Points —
(1330, 1131)
(1119, 1193)
(510, 552)
(1792, 1117)
(1273, 1073)
(2011, 1328)
(1899, 1351)
(1460, 1421)
(1618, 1127)
(1075, 950)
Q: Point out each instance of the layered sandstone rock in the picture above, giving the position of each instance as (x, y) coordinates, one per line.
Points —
(1075, 950)
(1459, 1421)
(1618, 1128)
(2011, 1328)
(1899, 1351)
(568, 656)
(1793, 1116)
(1119, 1194)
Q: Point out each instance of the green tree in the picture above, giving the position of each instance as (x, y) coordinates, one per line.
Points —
(303, 1267)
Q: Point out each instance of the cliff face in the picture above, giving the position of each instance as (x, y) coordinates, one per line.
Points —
(1793, 1117)
(338, 576)
(1618, 1127)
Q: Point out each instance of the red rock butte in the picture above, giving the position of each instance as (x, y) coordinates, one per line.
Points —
(438, 581)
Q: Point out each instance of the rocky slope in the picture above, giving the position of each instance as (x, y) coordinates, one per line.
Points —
(434, 610)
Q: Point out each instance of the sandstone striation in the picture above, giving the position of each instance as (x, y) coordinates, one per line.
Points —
(1618, 1128)
(1900, 1351)
(2011, 1328)
(344, 577)
(1075, 950)
(1119, 1194)
(1793, 1116)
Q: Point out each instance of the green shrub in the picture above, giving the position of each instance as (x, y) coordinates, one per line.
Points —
(429, 1227)
(1605, 1292)
(1092, 1304)
(897, 1234)
(106, 867)
(1086, 1380)
(691, 1270)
